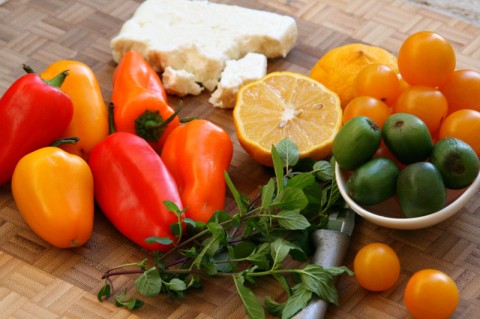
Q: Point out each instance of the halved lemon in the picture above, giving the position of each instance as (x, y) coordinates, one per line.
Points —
(286, 105)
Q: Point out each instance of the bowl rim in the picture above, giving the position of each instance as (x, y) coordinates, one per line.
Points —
(412, 222)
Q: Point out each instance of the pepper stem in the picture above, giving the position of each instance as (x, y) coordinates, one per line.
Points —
(57, 81)
(111, 118)
(28, 68)
(188, 119)
(151, 125)
(65, 140)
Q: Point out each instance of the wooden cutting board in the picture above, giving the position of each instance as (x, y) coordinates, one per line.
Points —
(39, 281)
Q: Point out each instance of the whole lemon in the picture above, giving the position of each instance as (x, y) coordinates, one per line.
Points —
(339, 67)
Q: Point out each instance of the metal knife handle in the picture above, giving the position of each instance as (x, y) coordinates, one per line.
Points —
(331, 248)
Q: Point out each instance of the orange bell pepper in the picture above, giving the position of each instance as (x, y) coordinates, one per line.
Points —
(90, 118)
(53, 191)
(198, 154)
(140, 101)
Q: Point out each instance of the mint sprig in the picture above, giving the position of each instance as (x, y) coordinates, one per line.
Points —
(251, 243)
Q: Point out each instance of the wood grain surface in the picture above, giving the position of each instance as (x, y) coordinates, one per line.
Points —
(39, 281)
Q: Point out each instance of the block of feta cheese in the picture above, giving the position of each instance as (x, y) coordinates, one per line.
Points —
(237, 73)
(195, 39)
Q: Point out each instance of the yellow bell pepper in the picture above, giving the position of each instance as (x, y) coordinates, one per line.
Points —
(90, 117)
(53, 191)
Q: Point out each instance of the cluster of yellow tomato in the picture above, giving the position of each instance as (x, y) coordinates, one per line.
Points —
(427, 85)
(429, 293)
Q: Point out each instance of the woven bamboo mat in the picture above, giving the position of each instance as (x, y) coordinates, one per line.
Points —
(38, 281)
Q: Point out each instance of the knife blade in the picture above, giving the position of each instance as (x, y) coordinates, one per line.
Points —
(331, 245)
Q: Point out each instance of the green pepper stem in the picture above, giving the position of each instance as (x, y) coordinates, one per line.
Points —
(188, 119)
(28, 69)
(111, 118)
(150, 125)
(57, 81)
(169, 119)
(65, 140)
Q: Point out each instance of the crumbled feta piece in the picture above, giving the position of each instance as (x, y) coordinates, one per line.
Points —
(237, 73)
(180, 82)
(200, 37)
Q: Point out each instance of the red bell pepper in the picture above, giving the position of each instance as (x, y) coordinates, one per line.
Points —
(198, 154)
(140, 101)
(33, 114)
(131, 185)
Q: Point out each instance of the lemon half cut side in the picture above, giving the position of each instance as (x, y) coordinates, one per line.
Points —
(286, 105)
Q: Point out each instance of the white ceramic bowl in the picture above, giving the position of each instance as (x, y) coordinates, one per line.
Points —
(388, 213)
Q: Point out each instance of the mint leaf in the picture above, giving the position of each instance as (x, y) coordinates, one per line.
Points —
(279, 250)
(334, 194)
(314, 194)
(219, 216)
(131, 304)
(210, 246)
(273, 307)
(335, 271)
(267, 193)
(171, 206)
(288, 152)
(301, 180)
(320, 281)
(302, 240)
(176, 285)
(149, 283)
(176, 229)
(284, 283)
(236, 195)
(216, 230)
(190, 222)
(243, 249)
(291, 198)
(223, 263)
(259, 257)
(104, 292)
(292, 219)
(253, 308)
(158, 240)
(278, 169)
(299, 299)
(314, 277)
(323, 170)
(209, 267)
(191, 252)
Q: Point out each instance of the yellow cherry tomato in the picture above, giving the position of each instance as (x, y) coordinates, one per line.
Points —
(426, 58)
(431, 294)
(376, 267)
